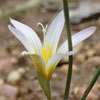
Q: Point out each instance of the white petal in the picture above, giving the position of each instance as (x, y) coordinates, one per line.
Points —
(27, 44)
(54, 31)
(77, 38)
(38, 60)
(26, 53)
(54, 60)
(28, 32)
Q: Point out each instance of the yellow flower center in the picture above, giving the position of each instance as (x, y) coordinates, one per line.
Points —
(46, 52)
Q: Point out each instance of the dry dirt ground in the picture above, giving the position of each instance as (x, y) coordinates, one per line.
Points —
(26, 86)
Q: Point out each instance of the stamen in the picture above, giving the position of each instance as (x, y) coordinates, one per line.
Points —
(49, 52)
(46, 26)
(43, 29)
(46, 52)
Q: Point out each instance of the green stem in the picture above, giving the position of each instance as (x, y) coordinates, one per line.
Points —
(66, 12)
(45, 85)
(96, 76)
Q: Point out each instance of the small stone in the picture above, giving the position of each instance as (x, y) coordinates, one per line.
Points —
(27, 69)
(64, 60)
(23, 90)
(96, 86)
(3, 98)
(97, 46)
(1, 83)
(21, 70)
(64, 68)
(5, 64)
(14, 77)
(90, 53)
(14, 60)
(3, 53)
(15, 52)
(9, 91)
(54, 75)
(80, 58)
(76, 90)
(93, 95)
(43, 10)
(93, 61)
(78, 48)
(75, 68)
(55, 94)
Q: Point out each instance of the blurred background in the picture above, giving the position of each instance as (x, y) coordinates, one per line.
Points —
(18, 79)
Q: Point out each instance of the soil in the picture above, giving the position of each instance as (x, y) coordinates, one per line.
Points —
(85, 64)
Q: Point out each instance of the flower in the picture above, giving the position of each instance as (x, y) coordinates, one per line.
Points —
(46, 56)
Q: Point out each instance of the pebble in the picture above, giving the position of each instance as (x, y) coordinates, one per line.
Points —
(78, 48)
(96, 86)
(3, 98)
(92, 61)
(14, 77)
(5, 64)
(90, 53)
(9, 91)
(14, 60)
(16, 52)
(76, 90)
(21, 70)
(1, 83)
(54, 75)
(97, 46)
(64, 68)
(80, 58)
(75, 68)
(27, 69)
(55, 94)
(23, 90)
(64, 60)
(3, 53)
(93, 95)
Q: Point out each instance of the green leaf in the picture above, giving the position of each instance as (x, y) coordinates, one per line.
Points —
(45, 85)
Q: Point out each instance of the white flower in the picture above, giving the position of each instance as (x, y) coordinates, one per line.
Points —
(45, 57)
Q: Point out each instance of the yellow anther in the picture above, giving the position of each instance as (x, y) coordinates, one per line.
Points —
(46, 51)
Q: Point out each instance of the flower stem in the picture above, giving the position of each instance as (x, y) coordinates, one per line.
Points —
(96, 76)
(45, 85)
(66, 12)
